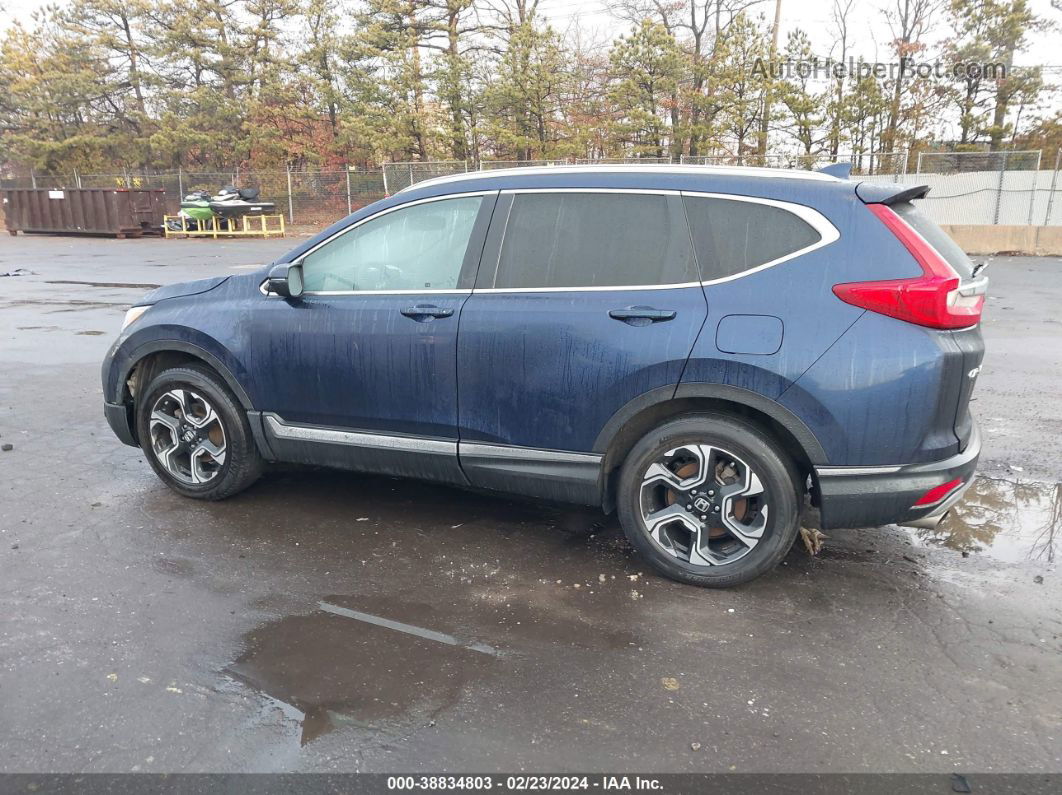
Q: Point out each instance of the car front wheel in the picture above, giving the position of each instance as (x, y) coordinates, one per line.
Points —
(195, 434)
(709, 500)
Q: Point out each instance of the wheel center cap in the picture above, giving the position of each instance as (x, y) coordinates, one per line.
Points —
(188, 435)
(701, 504)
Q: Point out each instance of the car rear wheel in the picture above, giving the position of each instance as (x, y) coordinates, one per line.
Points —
(709, 500)
(195, 434)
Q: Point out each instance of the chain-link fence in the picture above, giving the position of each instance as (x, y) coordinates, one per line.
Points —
(397, 176)
(314, 198)
(990, 188)
(489, 165)
(966, 188)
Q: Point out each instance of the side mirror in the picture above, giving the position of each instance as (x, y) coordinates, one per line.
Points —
(285, 280)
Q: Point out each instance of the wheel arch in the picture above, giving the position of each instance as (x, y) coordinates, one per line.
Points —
(659, 405)
(153, 357)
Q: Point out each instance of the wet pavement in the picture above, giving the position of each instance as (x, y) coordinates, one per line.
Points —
(329, 621)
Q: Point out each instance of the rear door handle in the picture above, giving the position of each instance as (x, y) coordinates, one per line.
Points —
(424, 312)
(642, 315)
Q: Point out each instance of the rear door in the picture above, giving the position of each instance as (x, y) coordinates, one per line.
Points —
(585, 299)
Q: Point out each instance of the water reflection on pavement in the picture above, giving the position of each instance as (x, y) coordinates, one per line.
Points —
(1009, 520)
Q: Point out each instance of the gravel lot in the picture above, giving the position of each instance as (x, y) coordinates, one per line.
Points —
(143, 631)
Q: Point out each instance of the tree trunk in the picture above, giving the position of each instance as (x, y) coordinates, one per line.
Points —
(999, 113)
(458, 144)
(765, 119)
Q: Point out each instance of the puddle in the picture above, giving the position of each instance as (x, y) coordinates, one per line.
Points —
(338, 670)
(1011, 521)
(547, 617)
(386, 665)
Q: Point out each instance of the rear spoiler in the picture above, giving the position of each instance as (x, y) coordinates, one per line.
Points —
(885, 193)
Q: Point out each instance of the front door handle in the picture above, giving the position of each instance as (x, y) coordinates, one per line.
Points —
(642, 315)
(425, 312)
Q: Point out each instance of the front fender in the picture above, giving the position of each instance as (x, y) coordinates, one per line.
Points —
(163, 337)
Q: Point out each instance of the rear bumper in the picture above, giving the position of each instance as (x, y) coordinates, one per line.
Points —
(874, 496)
(119, 417)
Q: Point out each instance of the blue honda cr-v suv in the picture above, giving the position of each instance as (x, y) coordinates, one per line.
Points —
(697, 349)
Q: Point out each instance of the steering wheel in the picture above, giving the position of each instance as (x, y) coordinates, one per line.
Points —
(380, 277)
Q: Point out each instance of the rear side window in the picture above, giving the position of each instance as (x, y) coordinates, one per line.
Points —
(936, 237)
(595, 240)
(734, 236)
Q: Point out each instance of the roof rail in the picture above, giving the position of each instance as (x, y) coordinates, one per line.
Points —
(626, 168)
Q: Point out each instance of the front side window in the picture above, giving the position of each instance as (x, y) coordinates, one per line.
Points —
(421, 247)
(578, 240)
(733, 236)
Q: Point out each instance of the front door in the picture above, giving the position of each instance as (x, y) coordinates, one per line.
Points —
(360, 371)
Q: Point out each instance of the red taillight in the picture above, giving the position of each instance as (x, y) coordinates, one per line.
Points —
(937, 493)
(933, 299)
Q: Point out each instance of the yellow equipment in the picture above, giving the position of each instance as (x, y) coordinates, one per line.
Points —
(263, 226)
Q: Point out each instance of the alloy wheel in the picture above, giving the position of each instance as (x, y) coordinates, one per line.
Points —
(187, 436)
(703, 505)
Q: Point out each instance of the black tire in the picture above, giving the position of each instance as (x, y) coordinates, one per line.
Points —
(242, 465)
(763, 456)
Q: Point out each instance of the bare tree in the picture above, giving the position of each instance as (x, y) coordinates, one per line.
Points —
(909, 21)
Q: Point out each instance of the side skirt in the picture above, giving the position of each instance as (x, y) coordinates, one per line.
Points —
(362, 451)
(544, 474)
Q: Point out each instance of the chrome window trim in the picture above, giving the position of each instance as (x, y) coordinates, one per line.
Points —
(622, 287)
(380, 214)
(376, 441)
(390, 292)
(828, 234)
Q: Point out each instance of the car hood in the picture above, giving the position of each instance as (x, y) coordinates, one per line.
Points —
(180, 289)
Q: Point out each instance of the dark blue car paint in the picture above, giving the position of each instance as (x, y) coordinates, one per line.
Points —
(549, 369)
(196, 287)
(873, 397)
(760, 335)
(552, 371)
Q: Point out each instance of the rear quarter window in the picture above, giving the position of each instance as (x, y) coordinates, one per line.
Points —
(732, 236)
(936, 237)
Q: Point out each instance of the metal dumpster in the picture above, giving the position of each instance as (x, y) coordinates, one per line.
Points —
(85, 211)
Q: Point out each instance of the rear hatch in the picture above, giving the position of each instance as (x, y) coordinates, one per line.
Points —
(948, 297)
(969, 342)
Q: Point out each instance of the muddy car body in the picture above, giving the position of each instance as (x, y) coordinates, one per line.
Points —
(698, 349)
